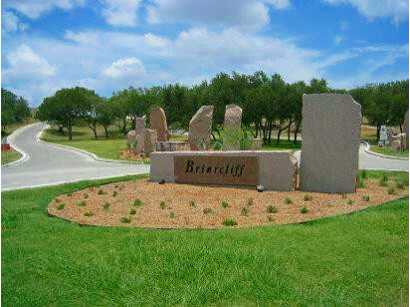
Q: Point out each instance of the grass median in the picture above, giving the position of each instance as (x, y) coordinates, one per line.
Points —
(356, 259)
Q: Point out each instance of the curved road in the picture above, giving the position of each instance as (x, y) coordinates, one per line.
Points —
(48, 164)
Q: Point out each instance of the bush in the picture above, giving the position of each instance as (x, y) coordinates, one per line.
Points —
(172, 215)
(385, 178)
(229, 222)
(224, 204)
(271, 218)
(162, 205)
(207, 210)
(366, 197)
(350, 202)
(125, 220)
(360, 182)
(106, 206)
(60, 206)
(58, 200)
(391, 191)
(244, 211)
(137, 203)
(304, 210)
(192, 204)
(88, 213)
(307, 197)
(100, 192)
(400, 185)
(363, 174)
(288, 201)
(133, 211)
(249, 202)
(86, 196)
(115, 193)
(81, 203)
(271, 209)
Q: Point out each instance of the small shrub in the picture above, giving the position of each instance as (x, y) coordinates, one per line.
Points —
(229, 222)
(382, 182)
(304, 210)
(360, 182)
(81, 203)
(85, 196)
(391, 191)
(207, 210)
(271, 218)
(125, 220)
(58, 200)
(244, 211)
(172, 215)
(192, 204)
(271, 209)
(100, 192)
(350, 202)
(106, 206)
(116, 186)
(60, 206)
(307, 197)
(224, 204)
(70, 194)
(400, 185)
(88, 213)
(162, 205)
(133, 211)
(137, 203)
(115, 193)
(249, 202)
(363, 174)
(385, 178)
(366, 197)
(288, 201)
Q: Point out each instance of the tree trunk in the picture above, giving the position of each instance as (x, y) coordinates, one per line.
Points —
(70, 131)
(290, 124)
(93, 127)
(106, 131)
(295, 133)
(61, 129)
(401, 128)
(378, 132)
(279, 133)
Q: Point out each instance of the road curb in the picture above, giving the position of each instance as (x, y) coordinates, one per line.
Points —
(24, 156)
(367, 150)
(89, 154)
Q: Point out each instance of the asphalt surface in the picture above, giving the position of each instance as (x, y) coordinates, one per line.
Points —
(48, 164)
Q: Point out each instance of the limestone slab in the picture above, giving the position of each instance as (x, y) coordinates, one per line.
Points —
(330, 143)
(200, 128)
(158, 122)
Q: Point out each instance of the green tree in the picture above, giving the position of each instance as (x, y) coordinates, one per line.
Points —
(14, 109)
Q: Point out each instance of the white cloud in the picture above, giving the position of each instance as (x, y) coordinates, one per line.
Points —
(338, 39)
(127, 67)
(11, 22)
(396, 9)
(25, 64)
(121, 12)
(244, 14)
(34, 9)
(278, 4)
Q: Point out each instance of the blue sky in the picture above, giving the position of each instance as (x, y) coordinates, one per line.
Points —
(108, 45)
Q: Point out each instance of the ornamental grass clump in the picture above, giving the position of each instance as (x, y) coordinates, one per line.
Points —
(230, 222)
(307, 197)
(106, 206)
(162, 205)
(245, 211)
(81, 203)
(224, 204)
(192, 204)
(137, 203)
(88, 214)
(391, 191)
(271, 209)
(61, 206)
(288, 201)
(133, 211)
(207, 211)
(366, 197)
(304, 210)
(125, 220)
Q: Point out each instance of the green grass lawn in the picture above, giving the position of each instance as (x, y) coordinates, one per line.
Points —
(9, 156)
(389, 151)
(352, 260)
(283, 145)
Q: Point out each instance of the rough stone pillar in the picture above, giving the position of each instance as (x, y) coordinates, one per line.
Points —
(158, 121)
(330, 143)
(232, 127)
(200, 128)
(150, 140)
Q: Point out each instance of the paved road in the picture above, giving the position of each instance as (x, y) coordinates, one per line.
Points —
(48, 164)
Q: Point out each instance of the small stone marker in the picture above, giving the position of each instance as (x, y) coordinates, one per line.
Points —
(150, 139)
(200, 127)
(330, 146)
(158, 121)
(383, 139)
(232, 127)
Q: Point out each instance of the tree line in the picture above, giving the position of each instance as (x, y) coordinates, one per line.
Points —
(14, 110)
(269, 104)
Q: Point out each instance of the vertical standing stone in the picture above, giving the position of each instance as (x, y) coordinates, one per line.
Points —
(406, 129)
(330, 143)
(150, 140)
(158, 121)
(200, 128)
(139, 134)
(232, 127)
(139, 125)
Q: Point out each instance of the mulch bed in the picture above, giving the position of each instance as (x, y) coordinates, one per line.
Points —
(146, 204)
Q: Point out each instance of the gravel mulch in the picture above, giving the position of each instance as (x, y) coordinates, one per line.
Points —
(151, 205)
